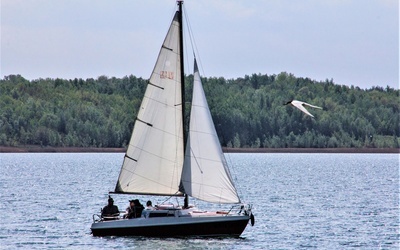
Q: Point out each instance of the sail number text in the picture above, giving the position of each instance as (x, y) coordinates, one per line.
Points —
(167, 75)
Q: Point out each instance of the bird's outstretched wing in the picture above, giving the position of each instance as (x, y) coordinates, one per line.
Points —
(299, 105)
(304, 103)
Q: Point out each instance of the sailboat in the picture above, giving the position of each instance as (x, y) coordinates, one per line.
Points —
(163, 159)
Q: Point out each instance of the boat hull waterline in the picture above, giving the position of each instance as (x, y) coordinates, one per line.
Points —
(210, 226)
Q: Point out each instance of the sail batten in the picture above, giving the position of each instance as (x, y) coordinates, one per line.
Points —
(167, 48)
(155, 85)
(130, 158)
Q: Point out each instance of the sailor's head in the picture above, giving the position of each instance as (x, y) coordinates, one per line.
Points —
(110, 201)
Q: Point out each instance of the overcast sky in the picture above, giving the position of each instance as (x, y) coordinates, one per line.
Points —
(352, 42)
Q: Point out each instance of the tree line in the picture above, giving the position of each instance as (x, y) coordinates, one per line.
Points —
(248, 112)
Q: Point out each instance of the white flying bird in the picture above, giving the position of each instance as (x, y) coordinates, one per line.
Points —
(299, 105)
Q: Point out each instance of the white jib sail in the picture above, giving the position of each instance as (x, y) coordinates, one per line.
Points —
(205, 174)
(154, 158)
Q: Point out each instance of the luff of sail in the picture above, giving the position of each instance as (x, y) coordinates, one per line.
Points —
(154, 158)
(205, 174)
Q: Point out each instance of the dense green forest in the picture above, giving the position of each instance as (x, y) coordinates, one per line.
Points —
(248, 112)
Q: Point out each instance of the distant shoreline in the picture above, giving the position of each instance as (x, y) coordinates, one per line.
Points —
(38, 149)
(315, 150)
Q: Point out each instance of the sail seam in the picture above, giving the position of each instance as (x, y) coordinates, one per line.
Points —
(150, 180)
(207, 159)
(163, 103)
(151, 125)
(201, 132)
(163, 158)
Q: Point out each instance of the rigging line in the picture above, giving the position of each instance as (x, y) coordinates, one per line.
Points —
(232, 167)
(174, 195)
(195, 158)
(232, 173)
(189, 31)
(186, 54)
(193, 41)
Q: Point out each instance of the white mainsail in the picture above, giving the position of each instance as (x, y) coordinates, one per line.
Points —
(205, 174)
(154, 158)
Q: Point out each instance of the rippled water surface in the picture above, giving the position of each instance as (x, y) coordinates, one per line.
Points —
(321, 201)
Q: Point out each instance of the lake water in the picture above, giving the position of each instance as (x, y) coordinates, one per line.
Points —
(301, 201)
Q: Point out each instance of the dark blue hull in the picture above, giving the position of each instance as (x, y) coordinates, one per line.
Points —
(219, 226)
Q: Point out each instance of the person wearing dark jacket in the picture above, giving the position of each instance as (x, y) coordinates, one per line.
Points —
(134, 210)
(110, 210)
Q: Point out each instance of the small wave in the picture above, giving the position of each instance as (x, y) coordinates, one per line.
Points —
(42, 219)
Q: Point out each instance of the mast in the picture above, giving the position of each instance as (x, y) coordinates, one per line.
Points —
(180, 2)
